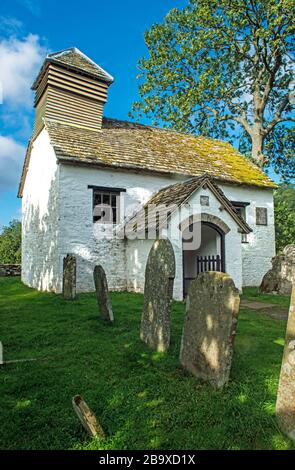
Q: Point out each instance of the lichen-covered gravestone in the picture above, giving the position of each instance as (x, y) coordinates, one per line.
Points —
(69, 277)
(285, 407)
(102, 294)
(212, 308)
(280, 277)
(158, 291)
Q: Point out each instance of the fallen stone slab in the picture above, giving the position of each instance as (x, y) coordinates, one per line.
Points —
(274, 311)
(256, 305)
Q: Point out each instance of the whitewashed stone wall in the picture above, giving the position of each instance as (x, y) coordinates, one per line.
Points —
(137, 252)
(40, 212)
(77, 230)
(260, 249)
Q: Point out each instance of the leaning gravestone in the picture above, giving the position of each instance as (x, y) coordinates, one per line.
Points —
(212, 308)
(102, 294)
(285, 407)
(69, 277)
(158, 291)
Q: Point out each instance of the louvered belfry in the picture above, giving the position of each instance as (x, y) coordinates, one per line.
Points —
(72, 89)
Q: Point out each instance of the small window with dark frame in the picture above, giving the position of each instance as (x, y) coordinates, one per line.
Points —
(261, 216)
(241, 210)
(106, 205)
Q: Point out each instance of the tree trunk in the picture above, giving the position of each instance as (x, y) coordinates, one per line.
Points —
(257, 133)
(257, 146)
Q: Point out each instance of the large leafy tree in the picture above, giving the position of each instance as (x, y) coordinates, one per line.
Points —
(285, 216)
(223, 68)
(10, 243)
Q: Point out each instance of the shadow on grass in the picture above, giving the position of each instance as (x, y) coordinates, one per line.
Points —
(143, 399)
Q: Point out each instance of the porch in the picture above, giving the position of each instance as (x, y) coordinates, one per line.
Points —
(209, 256)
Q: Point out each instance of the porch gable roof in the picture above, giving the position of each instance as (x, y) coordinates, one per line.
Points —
(178, 194)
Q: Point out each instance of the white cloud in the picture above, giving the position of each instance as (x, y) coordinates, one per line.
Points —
(11, 160)
(10, 25)
(20, 61)
(33, 6)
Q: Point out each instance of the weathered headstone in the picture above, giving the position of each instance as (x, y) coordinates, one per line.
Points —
(102, 294)
(69, 277)
(87, 417)
(285, 407)
(280, 277)
(158, 292)
(212, 308)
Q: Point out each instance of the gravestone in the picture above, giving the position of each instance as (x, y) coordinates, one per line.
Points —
(212, 308)
(280, 277)
(158, 292)
(87, 417)
(285, 406)
(102, 294)
(69, 277)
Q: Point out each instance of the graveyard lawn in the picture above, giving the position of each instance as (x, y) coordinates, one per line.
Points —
(142, 399)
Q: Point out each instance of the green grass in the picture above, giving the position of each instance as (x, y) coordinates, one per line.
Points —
(251, 293)
(143, 399)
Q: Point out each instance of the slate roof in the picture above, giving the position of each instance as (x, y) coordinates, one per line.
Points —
(129, 145)
(178, 194)
(74, 59)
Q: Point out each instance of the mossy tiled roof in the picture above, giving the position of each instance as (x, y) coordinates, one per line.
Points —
(76, 60)
(177, 194)
(128, 145)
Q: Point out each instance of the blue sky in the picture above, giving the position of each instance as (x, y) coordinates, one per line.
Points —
(110, 33)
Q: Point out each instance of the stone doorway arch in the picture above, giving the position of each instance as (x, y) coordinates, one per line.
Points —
(210, 256)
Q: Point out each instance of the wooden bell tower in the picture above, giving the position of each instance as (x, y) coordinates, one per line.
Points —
(72, 89)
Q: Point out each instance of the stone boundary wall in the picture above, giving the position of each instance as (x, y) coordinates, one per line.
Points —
(10, 269)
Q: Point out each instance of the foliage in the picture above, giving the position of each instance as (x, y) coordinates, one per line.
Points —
(143, 399)
(280, 145)
(223, 68)
(10, 243)
(284, 216)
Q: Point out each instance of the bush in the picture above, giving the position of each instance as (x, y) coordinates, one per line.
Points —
(284, 216)
(10, 243)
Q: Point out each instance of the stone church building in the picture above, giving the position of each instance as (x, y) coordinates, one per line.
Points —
(86, 177)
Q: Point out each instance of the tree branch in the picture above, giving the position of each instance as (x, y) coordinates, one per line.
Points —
(243, 121)
(278, 115)
(271, 79)
(228, 117)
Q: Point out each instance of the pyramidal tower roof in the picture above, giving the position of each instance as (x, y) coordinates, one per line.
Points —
(74, 59)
